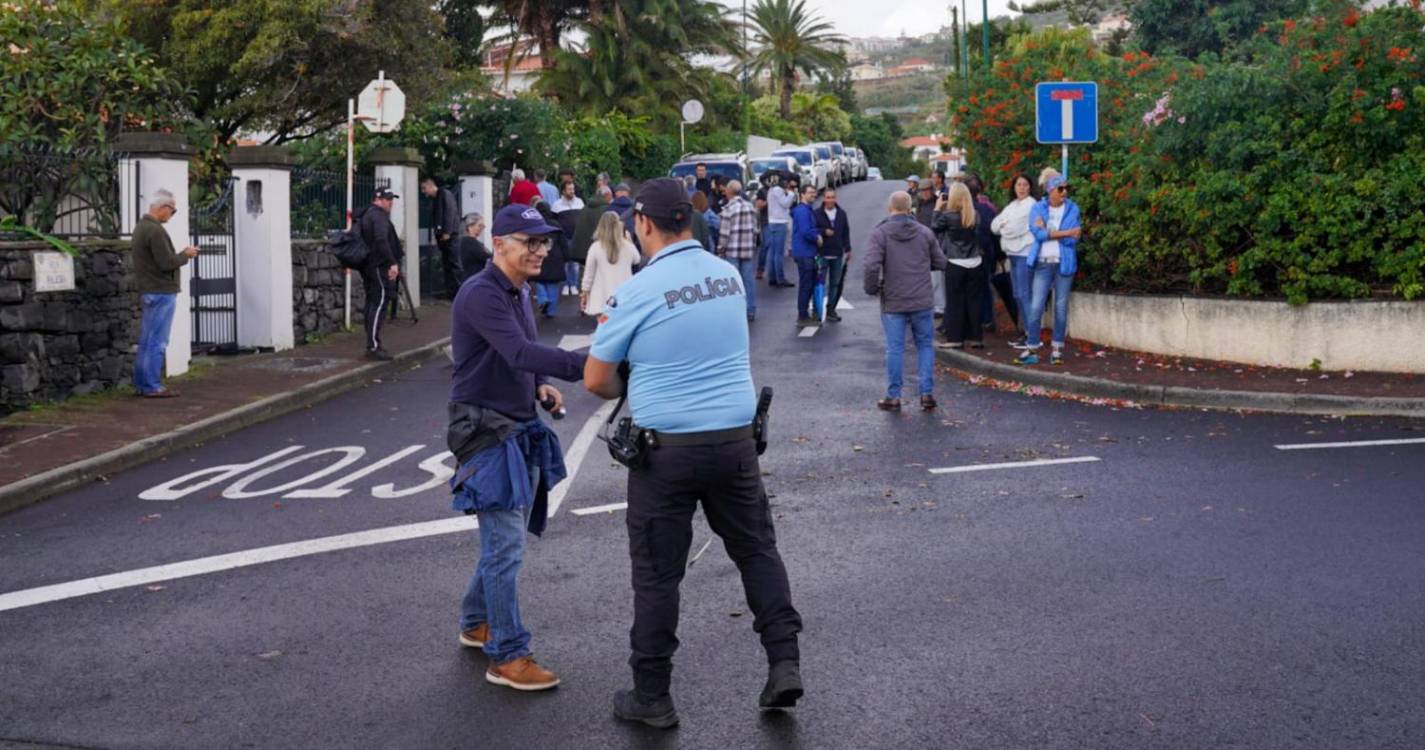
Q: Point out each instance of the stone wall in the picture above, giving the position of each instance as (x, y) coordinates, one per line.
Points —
(319, 292)
(60, 344)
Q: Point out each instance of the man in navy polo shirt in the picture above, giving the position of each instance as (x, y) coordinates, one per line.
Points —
(508, 458)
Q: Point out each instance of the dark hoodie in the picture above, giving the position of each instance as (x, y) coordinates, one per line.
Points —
(900, 256)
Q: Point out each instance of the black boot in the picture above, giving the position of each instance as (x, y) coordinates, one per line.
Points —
(657, 713)
(784, 685)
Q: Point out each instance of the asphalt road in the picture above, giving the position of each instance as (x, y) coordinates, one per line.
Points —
(1193, 587)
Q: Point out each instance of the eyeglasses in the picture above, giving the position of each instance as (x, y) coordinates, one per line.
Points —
(534, 245)
(1062, 189)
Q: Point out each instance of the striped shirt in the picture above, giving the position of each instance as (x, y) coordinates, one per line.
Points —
(738, 236)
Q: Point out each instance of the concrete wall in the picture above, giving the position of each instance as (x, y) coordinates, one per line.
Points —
(1361, 335)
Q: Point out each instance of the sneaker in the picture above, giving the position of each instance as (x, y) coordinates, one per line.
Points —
(475, 637)
(833, 317)
(659, 713)
(1020, 342)
(1056, 358)
(1027, 357)
(927, 402)
(889, 404)
(521, 674)
(379, 353)
(950, 344)
(784, 686)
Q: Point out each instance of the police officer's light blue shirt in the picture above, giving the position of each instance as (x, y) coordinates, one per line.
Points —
(681, 323)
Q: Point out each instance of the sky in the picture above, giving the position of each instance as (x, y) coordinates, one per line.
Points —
(861, 18)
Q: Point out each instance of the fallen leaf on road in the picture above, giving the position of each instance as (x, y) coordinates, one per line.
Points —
(269, 655)
(150, 518)
(153, 588)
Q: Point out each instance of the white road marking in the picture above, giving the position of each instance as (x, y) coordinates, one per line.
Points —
(1350, 444)
(809, 331)
(842, 304)
(599, 509)
(217, 563)
(230, 561)
(1015, 465)
(578, 450)
(576, 341)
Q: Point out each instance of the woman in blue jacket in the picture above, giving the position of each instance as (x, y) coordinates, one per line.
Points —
(1053, 261)
(805, 241)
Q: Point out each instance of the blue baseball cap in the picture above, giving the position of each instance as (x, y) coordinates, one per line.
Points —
(1056, 182)
(517, 219)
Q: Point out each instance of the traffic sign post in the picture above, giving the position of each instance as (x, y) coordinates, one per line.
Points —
(692, 115)
(380, 107)
(1066, 112)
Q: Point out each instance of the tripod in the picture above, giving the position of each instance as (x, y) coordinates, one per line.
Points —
(403, 293)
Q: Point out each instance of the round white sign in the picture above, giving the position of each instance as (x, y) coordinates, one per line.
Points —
(692, 111)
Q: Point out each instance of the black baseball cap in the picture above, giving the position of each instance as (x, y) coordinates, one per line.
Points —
(663, 198)
(385, 195)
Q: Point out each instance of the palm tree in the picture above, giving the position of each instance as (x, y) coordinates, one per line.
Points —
(545, 21)
(635, 58)
(788, 39)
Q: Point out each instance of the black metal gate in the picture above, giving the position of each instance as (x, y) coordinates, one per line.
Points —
(214, 282)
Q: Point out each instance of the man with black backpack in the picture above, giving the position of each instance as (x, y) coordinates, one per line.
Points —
(382, 267)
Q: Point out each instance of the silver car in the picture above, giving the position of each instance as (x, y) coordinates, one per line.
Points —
(814, 170)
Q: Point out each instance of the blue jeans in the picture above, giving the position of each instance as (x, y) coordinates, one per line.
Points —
(1046, 277)
(748, 269)
(922, 327)
(571, 273)
(774, 248)
(153, 341)
(806, 283)
(1019, 281)
(493, 594)
(548, 291)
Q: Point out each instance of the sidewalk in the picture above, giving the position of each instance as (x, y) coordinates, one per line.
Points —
(51, 449)
(1099, 373)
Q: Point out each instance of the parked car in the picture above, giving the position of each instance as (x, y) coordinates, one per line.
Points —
(814, 170)
(834, 176)
(848, 168)
(873, 173)
(781, 165)
(858, 161)
(731, 166)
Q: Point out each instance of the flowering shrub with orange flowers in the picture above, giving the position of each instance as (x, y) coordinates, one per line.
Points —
(1296, 172)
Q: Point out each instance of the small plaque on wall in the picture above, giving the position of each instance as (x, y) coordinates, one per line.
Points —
(54, 272)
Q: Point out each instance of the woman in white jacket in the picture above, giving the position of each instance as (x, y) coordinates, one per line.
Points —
(1012, 226)
(610, 263)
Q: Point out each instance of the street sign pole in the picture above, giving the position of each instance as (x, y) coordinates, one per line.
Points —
(1066, 161)
(350, 177)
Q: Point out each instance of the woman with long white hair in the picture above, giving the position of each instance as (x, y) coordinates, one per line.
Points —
(610, 263)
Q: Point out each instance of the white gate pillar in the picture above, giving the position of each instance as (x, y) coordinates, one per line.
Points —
(477, 192)
(401, 166)
(262, 218)
(151, 162)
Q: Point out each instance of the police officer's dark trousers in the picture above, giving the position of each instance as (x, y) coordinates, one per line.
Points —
(662, 496)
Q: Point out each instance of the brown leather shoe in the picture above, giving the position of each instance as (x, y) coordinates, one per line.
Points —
(476, 636)
(521, 674)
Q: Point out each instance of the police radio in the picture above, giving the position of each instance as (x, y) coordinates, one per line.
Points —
(759, 422)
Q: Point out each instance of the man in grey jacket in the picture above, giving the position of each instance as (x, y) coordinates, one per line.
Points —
(900, 257)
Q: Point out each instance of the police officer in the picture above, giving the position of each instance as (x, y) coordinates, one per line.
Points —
(681, 325)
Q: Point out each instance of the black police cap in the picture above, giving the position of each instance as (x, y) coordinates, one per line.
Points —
(663, 198)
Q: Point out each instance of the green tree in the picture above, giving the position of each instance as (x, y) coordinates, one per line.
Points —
(465, 28)
(545, 21)
(1079, 12)
(788, 38)
(838, 84)
(1193, 27)
(637, 59)
(285, 68)
(70, 81)
(814, 117)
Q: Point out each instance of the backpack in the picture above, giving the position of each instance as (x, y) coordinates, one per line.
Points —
(348, 248)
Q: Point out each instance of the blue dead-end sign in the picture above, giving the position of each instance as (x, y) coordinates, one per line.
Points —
(1066, 112)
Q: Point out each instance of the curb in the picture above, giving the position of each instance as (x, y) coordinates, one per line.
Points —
(1177, 396)
(32, 489)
